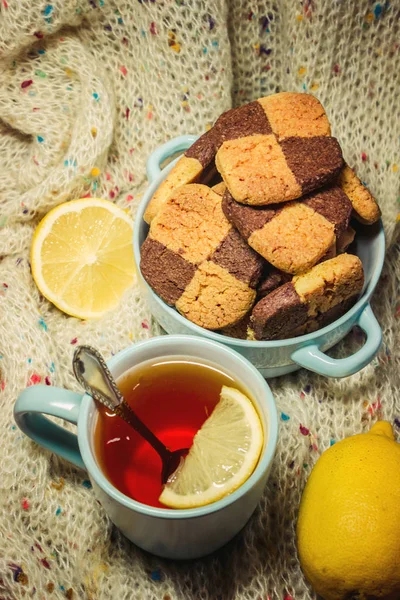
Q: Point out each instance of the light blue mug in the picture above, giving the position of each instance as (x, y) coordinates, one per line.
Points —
(177, 534)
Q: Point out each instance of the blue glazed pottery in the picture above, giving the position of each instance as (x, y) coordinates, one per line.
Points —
(182, 533)
(278, 357)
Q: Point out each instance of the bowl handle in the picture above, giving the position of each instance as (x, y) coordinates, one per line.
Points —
(153, 166)
(310, 357)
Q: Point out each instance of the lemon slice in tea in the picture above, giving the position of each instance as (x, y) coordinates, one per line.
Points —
(224, 454)
(82, 256)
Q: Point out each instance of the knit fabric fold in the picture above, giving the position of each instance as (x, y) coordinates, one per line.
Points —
(88, 89)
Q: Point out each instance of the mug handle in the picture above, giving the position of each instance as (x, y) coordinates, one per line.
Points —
(39, 400)
(310, 357)
(153, 166)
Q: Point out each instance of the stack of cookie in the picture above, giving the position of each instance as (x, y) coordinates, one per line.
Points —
(249, 231)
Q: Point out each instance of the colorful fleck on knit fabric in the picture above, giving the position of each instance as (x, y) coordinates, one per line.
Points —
(88, 89)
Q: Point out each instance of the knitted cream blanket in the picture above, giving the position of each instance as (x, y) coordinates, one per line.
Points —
(88, 88)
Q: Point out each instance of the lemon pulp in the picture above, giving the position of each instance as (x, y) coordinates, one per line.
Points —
(224, 454)
(82, 256)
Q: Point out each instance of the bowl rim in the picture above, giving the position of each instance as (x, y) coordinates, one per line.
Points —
(139, 223)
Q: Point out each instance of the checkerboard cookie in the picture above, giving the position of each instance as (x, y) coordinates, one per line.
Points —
(260, 169)
(196, 261)
(285, 114)
(295, 236)
(309, 301)
(365, 207)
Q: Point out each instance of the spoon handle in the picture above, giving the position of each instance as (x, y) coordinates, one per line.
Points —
(94, 375)
(125, 412)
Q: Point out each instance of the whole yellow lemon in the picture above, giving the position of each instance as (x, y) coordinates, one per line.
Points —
(348, 529)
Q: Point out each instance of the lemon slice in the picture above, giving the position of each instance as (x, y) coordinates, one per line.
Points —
(82, 256)
(224, 454)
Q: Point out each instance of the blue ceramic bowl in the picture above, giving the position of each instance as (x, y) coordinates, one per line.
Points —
(281, 356)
